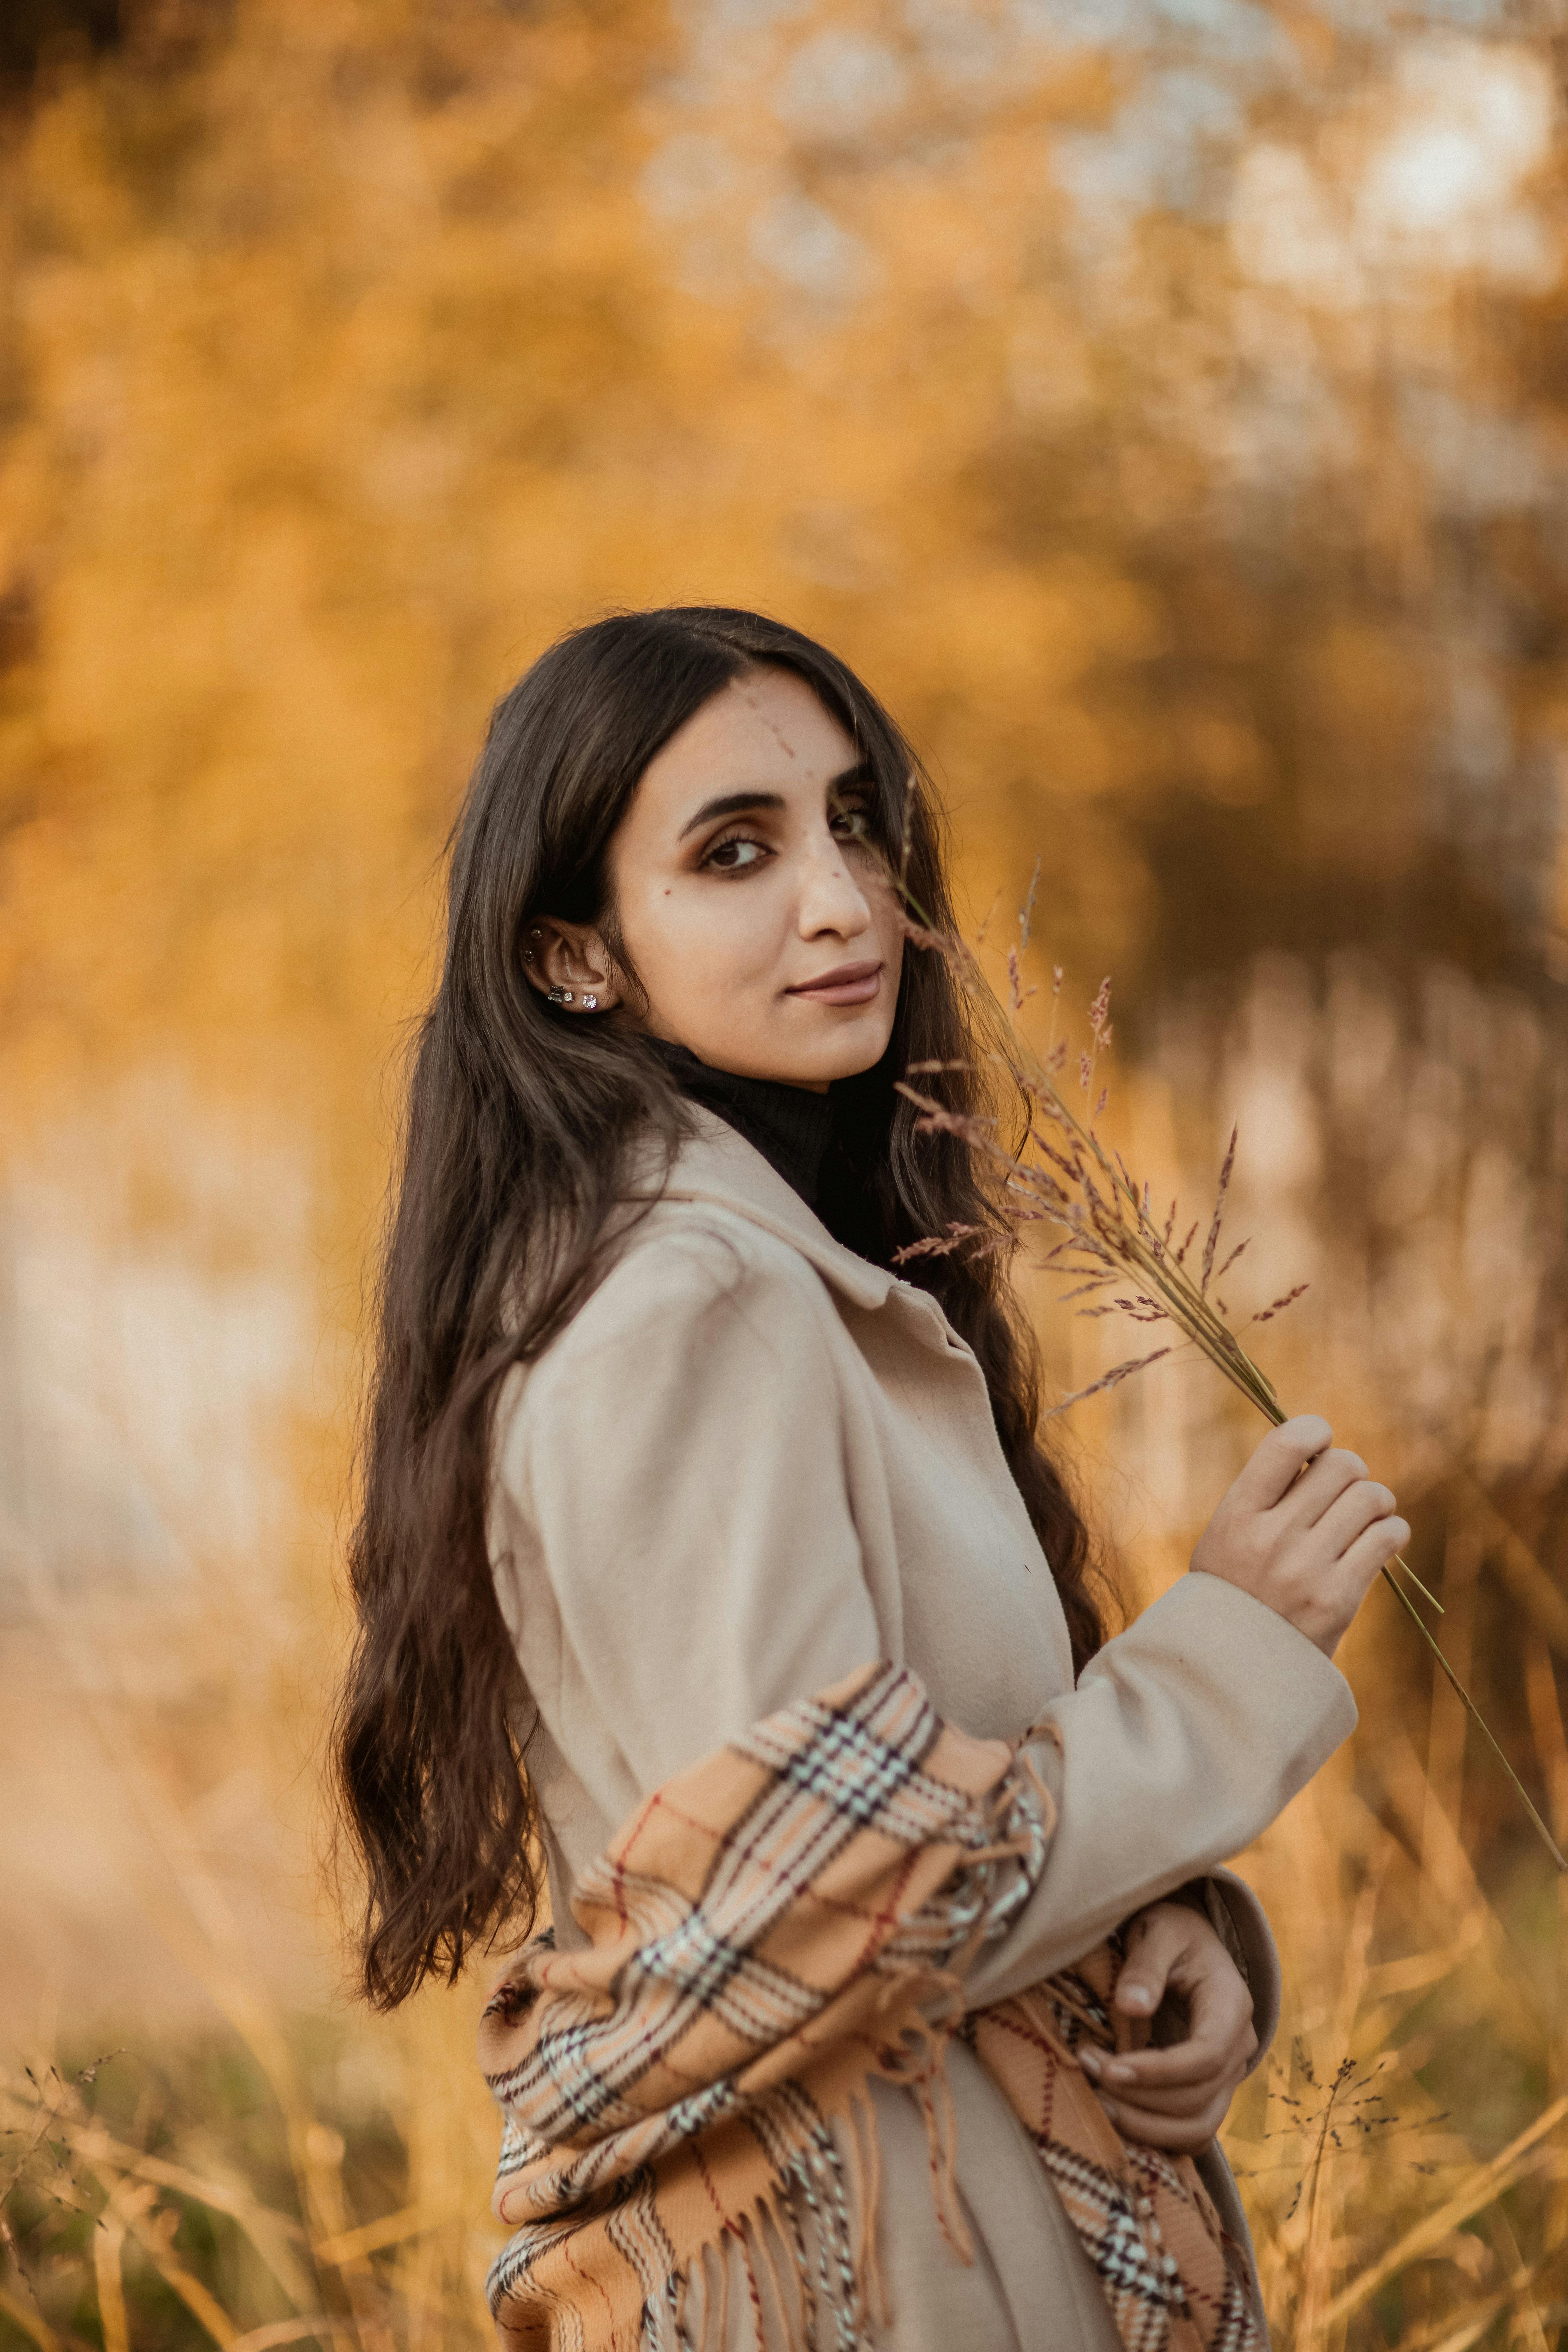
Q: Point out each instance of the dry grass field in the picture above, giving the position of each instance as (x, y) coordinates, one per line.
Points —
(1164, 406)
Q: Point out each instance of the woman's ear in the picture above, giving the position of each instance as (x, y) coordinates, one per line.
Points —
(570, 964)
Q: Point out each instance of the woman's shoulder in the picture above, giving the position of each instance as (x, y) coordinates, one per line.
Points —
(682, 1275)
(691, 1256)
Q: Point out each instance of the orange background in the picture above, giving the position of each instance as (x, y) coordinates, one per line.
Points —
(1161, 404)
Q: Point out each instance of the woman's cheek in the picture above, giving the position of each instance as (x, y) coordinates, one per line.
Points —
(707, 956)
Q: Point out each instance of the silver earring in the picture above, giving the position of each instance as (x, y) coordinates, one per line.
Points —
(559, 996)
(590, 1005)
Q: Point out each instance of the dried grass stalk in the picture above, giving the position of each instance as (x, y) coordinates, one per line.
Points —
(1112, 1238)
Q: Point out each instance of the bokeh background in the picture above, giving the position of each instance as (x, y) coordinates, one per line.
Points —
(1165, 402)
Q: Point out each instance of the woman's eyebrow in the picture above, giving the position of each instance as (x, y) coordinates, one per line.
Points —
(737, 804)
(729, 804)
(862, 772)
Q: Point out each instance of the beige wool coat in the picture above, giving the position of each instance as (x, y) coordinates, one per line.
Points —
(754, 1462)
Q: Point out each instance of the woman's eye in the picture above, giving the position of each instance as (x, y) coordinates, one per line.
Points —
(736, 854)
(852, 824)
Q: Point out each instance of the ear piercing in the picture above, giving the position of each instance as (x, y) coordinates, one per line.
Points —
(559, 995)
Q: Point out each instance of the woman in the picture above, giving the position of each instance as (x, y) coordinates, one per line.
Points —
(869, 1859)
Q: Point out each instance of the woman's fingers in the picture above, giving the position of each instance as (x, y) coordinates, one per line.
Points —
(1287, 1531)
(1279, 1461)
(1320, 1487)
(1180, 2080)
(1175, 2099)
(1220, 2039)
(1223, 2049)
(1360, 1506)
(1174, 1949)
(1373, 1550)
(1346, 1582)
(1185, 2133)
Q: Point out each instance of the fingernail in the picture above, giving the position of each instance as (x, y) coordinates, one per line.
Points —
(1137, 1997)
(1090, 2060)
(1117, 2071)
(1111, 2109)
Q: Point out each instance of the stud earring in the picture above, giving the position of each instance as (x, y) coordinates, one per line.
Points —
(559, 996)
(590, 1005)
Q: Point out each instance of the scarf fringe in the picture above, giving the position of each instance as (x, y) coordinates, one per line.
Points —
(806, 2248)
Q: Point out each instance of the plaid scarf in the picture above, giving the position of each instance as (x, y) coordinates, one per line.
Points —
(773, 1928)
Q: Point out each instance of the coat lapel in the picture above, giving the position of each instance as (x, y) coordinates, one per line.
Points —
(721, 1167)
(717, 1166)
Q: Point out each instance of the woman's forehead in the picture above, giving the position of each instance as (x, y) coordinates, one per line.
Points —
(765, 729)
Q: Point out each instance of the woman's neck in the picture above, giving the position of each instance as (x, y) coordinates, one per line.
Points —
(791, 1125)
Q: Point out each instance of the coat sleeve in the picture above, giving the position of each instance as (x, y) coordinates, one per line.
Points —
(1242, 1924)
(1187, 1735)
(679, 1461)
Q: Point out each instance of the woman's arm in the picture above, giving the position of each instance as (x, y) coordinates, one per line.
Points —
(1187, 1735)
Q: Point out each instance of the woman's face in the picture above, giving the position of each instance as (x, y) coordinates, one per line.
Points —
(749, 896)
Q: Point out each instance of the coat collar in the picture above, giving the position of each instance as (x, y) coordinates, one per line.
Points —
(719, 1166)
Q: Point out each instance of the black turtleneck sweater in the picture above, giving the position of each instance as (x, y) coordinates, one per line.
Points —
(826, 1147)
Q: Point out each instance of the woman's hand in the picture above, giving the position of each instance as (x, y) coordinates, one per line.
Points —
(1304, 1529)
(1176, 2097)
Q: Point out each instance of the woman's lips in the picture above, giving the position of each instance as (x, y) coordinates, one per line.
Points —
(848, 984)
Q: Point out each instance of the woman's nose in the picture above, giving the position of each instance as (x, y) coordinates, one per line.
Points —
(830, 898)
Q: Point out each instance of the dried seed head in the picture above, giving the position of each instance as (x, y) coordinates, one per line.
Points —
(1268, 1313)
(943, 1245)
(1211, 1242)
(1113, 1378)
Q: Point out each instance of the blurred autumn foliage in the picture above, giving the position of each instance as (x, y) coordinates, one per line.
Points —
(1163, 403)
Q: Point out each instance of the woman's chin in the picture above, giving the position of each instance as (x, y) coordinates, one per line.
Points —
(845, 1050)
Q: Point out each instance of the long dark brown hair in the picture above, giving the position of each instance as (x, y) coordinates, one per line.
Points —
(518, 1129)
